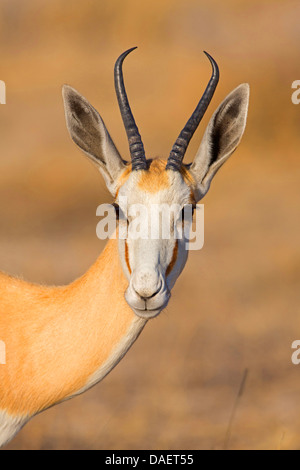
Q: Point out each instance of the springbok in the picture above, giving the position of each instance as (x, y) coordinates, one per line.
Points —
(60, 341)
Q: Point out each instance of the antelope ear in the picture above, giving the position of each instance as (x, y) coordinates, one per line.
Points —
(89, 132)
(222, 136)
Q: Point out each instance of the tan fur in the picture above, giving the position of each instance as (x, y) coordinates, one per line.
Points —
(187, 176)
(156, 178)
(123, 178)
(57, 338)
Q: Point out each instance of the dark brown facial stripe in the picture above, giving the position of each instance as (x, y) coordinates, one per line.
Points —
(127, 257)
(173, 260)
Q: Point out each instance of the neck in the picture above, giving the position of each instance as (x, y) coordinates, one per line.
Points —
(61, 341)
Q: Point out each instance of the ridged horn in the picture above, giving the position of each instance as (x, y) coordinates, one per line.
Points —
(136, 146)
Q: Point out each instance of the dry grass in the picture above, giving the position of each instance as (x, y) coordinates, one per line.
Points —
(236, 305)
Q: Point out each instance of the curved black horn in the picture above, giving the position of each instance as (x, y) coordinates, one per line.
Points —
(136, 146)
(182, 142)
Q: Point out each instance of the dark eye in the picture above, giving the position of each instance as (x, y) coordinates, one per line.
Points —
(117, 210)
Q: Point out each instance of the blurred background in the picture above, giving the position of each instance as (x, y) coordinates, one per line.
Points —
(236, 305)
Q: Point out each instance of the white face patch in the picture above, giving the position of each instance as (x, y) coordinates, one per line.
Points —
(153, 261)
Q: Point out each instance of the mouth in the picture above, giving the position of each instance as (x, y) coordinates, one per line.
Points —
(147, 314)
(147, 307)
(144, 309)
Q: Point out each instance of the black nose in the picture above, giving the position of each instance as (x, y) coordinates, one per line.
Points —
(150, 296)
(148, 293)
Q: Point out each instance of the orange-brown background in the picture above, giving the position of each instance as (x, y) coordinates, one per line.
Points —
(236, 305)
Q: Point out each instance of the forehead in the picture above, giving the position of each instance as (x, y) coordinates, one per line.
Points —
(156, 185)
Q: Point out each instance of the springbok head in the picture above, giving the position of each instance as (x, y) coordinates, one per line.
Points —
(152, 265)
